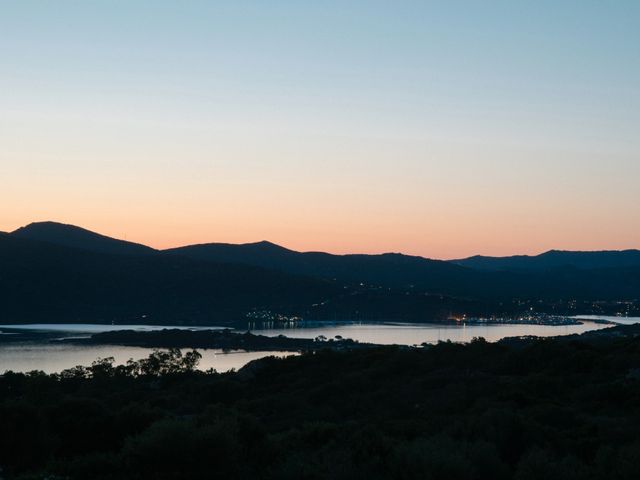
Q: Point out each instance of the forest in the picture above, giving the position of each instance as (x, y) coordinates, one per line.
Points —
(521, 409)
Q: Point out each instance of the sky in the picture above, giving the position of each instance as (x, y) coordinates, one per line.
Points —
(443, 129)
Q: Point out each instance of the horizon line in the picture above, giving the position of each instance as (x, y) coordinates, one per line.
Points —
(388, 252)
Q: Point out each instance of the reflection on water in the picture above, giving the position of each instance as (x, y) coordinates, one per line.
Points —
(618, 320)
(416, 334)
(91, 328)
(54, 357)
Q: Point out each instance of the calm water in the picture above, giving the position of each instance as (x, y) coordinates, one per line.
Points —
(618, 320)
(416, 334)
(90, 328)
(54, 357)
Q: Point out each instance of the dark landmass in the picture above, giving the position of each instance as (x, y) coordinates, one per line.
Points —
(555, 259)
(54, 273)
(217, 339)
(227, 339)
(17, 335)
(563, 408)
(42, 282)
(77, 237)
(604, 279)
(389, 270)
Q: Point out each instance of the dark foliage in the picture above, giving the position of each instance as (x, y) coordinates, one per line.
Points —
(219, 339)
(552, 409)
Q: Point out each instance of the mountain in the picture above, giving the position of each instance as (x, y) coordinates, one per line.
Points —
(389, 269)
(555, 259)
(60, 273)
(560, 275)
(76, 237)
(44, 282)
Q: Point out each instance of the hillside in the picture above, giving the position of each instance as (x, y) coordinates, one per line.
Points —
(46, 282)
(389, 269)
(555, 259)
(60, 273)
(76, 237)
(412, 273)
(539, 409)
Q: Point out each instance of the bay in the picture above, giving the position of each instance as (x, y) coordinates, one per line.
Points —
(54, 356)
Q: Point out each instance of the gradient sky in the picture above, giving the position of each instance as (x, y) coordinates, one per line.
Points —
(442, 129)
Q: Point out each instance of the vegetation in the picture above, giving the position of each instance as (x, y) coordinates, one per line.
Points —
(220, 339)
(529, 409)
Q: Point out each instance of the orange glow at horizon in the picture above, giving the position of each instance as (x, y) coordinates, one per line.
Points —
(435, 209)
(509, 129)
(342, 238)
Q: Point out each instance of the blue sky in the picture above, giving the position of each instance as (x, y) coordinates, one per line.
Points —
(425, 127)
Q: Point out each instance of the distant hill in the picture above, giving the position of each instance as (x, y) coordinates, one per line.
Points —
(389, 269)
(60, 273)
(44, 282)
(76, 237)
(555, 259)
(417, 274)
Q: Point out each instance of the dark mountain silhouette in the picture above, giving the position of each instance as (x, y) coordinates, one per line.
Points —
(389, 269)
(555, 259)
(52, 273)
(41, 281)
(405, 272)
(76, 237)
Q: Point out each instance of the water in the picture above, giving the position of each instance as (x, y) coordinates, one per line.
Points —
(90, 328)
(416, 334)
(54, 357)
(618, 320)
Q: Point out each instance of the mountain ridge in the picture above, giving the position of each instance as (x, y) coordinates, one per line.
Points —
(78, 237)
(47, 281)
(555, 259)
(389, 269)
(44, 282)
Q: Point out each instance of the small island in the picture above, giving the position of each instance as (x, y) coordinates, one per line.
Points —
(217, 339)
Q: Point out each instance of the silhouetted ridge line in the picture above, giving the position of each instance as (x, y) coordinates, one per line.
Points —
(77, 237)
(554, 259)
(52, 272)
(389, 269)
(46, 282)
